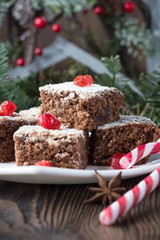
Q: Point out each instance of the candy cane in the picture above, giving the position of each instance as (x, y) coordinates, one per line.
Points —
(138, 153)
(117, 209)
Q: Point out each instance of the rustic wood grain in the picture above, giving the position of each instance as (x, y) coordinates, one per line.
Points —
(43, 212)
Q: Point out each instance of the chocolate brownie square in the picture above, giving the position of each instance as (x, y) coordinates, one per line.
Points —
(8, 125)
(66, 148)
(81, 107)
(121, 136)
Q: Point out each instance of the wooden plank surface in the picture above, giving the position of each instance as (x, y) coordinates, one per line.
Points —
(43, 212)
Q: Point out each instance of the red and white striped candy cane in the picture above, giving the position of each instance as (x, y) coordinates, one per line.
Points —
(117, 209)
(138, 153)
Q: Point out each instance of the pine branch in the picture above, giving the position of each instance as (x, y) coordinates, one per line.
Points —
(68, 6)
(145, 90)
(4, 7)
(113, 64)
(124, 84)
(138, 39)
(126, 110)
(4, 68)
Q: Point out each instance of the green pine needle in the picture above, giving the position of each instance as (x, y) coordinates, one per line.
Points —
(145, 90)
(4, 68)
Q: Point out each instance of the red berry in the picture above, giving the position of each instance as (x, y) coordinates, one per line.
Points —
(38, 51)
(48, 121)
(7, 108)
(43, 163)
(40, 22)
(129, 6)
(83, 80)
(115, 160)
(56, 28)
(98, 10)
(20, 62)
(85, 10)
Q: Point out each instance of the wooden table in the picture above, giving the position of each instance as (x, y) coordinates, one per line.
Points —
(43, 212)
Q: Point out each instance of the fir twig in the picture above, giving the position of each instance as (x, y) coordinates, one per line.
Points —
(145, 90)
(4, 68)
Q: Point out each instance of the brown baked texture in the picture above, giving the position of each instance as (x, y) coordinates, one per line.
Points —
(76, 107)
(62, 148)
(121, 136)
(8, 125)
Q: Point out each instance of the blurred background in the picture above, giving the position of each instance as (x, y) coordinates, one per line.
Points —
(53, 41)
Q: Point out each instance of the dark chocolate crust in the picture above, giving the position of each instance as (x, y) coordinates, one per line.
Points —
(7, 128)
(65, 153)
(85, 114)
(124, 138)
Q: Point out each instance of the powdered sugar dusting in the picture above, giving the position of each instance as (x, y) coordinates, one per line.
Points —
(127, 120)
(13, 117)
(37, 132)
(30, 113)
(83, 92)
(16, 117)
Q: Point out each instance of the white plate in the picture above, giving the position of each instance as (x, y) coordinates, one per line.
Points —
(48, 175)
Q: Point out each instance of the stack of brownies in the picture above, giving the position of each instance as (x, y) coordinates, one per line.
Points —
(91, 128)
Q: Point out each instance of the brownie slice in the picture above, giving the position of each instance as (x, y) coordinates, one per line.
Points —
(121, 136)
(81, 107)
(66, 148)
(8, 125)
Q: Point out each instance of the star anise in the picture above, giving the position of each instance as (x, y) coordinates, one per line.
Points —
(107, 192)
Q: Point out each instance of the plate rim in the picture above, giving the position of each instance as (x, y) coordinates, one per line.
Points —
(80, 176)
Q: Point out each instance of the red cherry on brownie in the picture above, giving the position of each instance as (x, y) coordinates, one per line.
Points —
(83, 81)
(7, 108)
(43, 163)
(48, 121)
(115, 160)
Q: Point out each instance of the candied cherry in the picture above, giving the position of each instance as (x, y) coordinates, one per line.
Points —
(115, 160)
(83, 81)
(7, 108)
(48, 121)
(43, 163)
